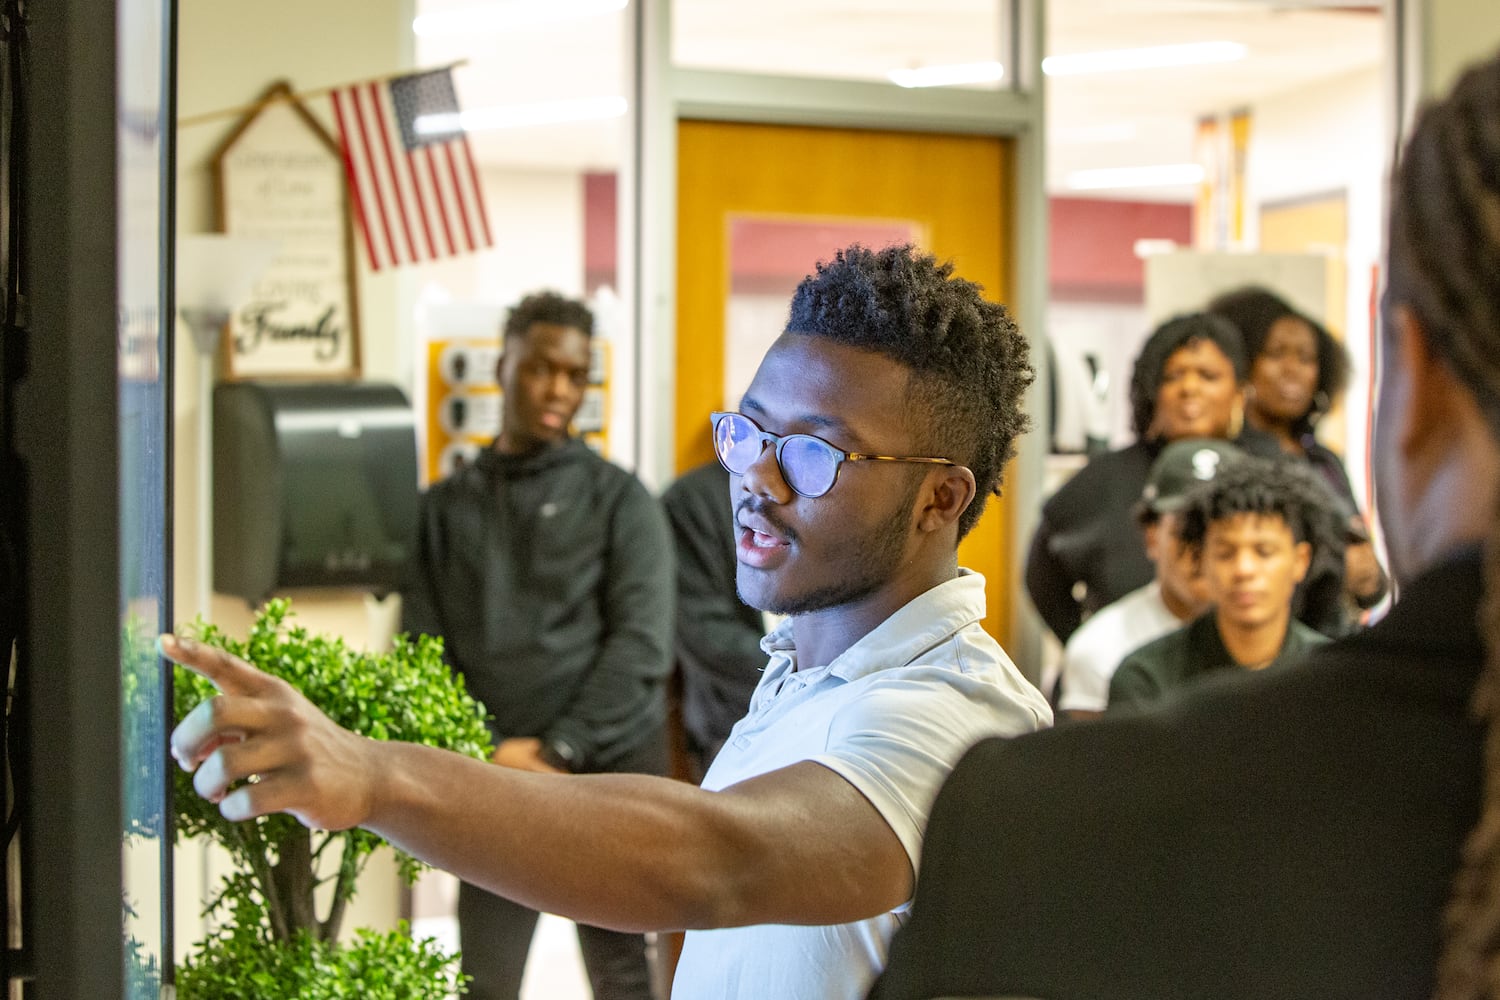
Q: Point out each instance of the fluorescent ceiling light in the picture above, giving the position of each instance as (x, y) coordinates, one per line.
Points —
(514, 13)
(1152, 57)
(1165, 175)
(948, 76)
(517, 115)
(1084, 135)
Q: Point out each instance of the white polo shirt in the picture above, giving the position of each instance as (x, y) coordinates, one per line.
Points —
(891, 715)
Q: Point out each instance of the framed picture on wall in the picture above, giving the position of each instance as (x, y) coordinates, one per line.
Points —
(280, 175)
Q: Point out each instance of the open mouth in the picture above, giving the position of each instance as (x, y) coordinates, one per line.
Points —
(759, 543)
(760, 540)
(1190, 413)
(760, 550)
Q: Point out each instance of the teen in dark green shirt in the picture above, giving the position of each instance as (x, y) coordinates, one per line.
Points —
(1255, 527)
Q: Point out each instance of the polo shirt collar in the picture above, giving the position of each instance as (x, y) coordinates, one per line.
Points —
(919, 625)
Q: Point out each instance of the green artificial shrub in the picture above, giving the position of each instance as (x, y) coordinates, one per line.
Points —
(275, 943)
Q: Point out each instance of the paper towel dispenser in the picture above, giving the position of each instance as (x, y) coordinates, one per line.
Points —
(315, 485)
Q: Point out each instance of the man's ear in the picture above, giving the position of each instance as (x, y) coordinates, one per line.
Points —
(1151, 533)
(1432, 393)
(1301, 560)
(950, 490)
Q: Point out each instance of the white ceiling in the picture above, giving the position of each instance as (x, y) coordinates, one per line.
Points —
(1132, 118)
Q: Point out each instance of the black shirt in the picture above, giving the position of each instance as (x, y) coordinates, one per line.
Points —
(718, 635)
(1286, 834)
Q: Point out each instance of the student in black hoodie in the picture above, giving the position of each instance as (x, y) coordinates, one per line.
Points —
(548, 572)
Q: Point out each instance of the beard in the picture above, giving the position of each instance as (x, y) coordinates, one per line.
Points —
(880, 554)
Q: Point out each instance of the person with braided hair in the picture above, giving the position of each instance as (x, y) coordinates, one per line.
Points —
(1442, 381)
(1328, 830)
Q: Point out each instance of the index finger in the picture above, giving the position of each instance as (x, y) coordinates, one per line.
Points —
(228, 672)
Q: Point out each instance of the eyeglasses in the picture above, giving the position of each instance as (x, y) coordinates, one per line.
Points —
(809, 464)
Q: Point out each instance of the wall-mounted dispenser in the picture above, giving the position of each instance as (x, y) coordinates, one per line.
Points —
(315, 485)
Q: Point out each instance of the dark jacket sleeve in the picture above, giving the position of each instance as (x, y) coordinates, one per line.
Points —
(1331, 467)
(1050, 584)
(624, 692)
(715, 631)
(419, 605)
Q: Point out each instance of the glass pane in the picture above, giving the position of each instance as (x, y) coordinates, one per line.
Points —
(768, 257)
(949, 42)
(143, 453)
(545, 83)
(542, 85)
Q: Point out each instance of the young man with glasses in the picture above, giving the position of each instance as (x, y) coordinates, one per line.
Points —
(865, 447)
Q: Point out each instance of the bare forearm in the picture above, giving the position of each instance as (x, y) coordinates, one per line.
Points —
(797, 845)
(633, 852)
(627, 852)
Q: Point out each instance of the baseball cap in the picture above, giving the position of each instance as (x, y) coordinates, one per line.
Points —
(1181, 467)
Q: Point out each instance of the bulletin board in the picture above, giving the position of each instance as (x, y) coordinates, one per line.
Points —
(464, 402)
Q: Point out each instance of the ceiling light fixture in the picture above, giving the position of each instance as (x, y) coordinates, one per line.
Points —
(947, 76)
(499, 16)
(1151, 57)
(519, 115)
(1086, 135)
(1164, 175)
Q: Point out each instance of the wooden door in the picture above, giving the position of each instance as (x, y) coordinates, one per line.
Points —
(757, 204)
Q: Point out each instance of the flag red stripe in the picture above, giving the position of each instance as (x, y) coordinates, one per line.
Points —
(484, 219)
(382, 123)
(364, 137)
(458, 195)
(422, 211)
(359, 204)
(437, 197)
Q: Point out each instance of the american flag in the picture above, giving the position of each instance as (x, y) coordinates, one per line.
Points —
(412, 180)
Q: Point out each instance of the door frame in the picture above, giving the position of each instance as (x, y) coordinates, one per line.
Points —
(663, 94)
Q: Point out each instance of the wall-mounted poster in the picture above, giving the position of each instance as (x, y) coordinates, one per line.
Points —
(280, 176)
(464, 405)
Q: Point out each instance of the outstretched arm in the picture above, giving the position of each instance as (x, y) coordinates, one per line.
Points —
(799, 845)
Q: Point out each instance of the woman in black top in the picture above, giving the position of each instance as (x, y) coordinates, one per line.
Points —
(1297, 372)
(1087, 551)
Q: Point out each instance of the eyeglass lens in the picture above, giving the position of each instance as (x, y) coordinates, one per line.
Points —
(808, 464)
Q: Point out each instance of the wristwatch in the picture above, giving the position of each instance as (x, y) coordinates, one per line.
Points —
(559, 753)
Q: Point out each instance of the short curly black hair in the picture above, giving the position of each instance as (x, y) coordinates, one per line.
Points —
(1254, 310)
(1268, 487)
(1166, 340)
(969, 362)
(548, 307)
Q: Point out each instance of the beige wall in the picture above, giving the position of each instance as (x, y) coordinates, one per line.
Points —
(1455, 33)
(227, 54)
